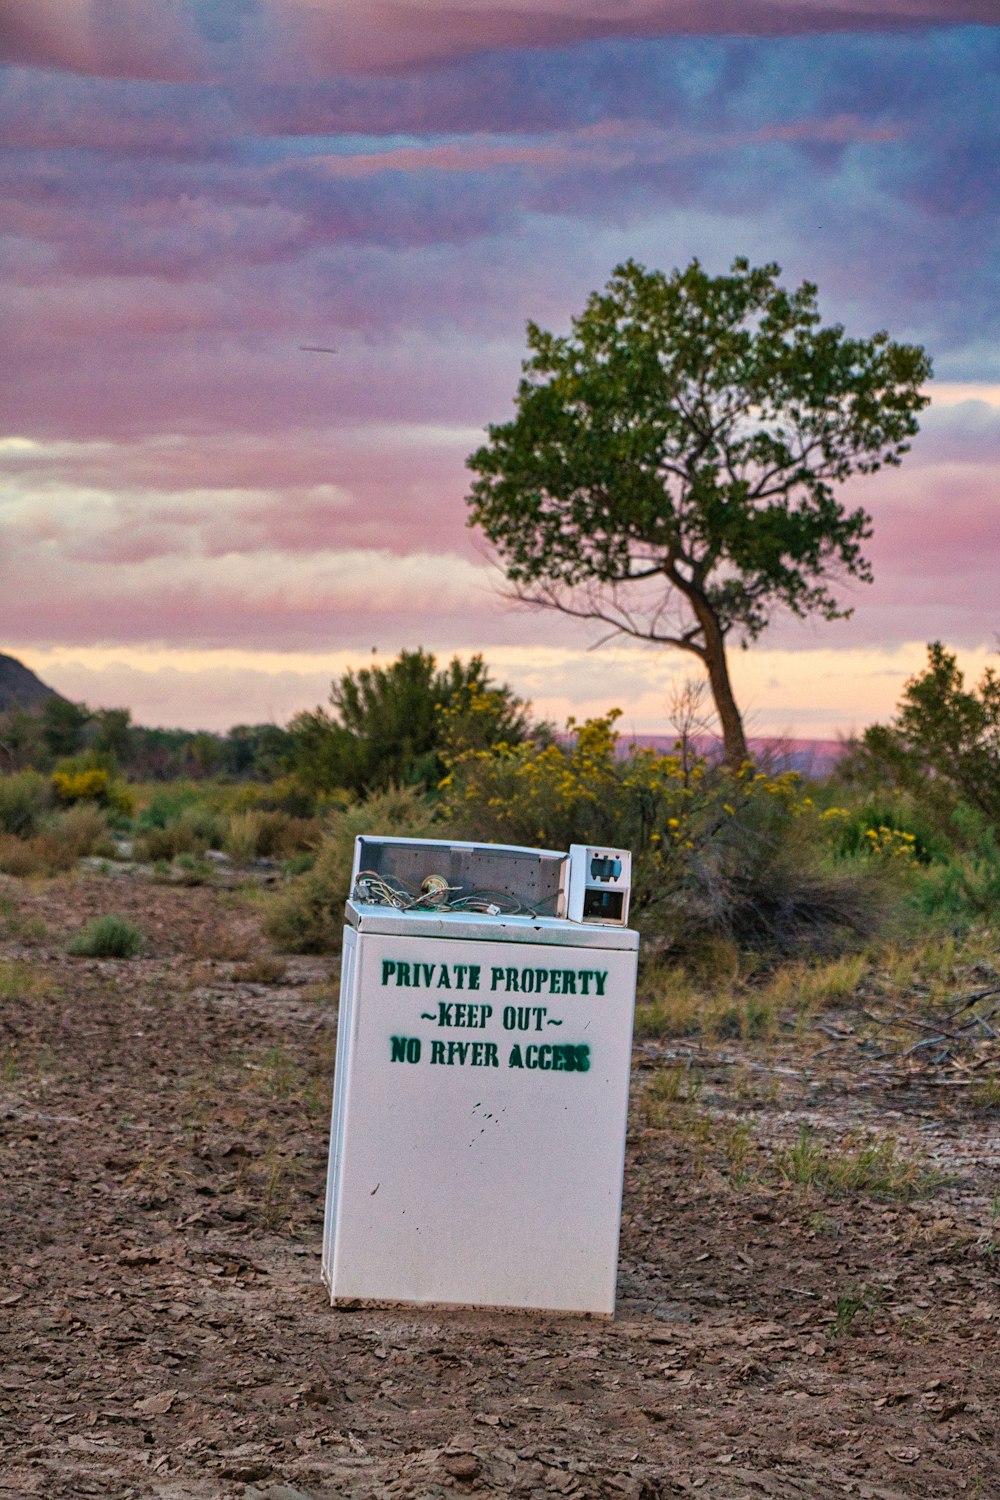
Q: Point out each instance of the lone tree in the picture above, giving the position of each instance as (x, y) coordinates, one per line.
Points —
(670, 472)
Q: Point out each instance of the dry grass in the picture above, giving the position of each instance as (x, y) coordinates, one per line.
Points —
(20, 981)
(264, 969)
(808, 988)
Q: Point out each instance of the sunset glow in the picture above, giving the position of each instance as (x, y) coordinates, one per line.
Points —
(205, 520)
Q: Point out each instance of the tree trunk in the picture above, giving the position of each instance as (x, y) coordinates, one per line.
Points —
(734, 740)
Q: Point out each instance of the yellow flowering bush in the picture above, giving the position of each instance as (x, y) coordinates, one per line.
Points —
(713, 851)
(93, 784)
(80, 786)
(893, 845)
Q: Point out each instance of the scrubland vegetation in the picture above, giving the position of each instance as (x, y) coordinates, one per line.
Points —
(765, 902)
(753, 879)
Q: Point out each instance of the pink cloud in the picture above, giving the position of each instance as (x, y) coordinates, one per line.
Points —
(157, 40)
(149, 39)
(387, 35)
(610, 145)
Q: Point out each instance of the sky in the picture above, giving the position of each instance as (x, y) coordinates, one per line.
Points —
(204, 522)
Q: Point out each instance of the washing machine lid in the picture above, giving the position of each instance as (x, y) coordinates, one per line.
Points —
(481, 928)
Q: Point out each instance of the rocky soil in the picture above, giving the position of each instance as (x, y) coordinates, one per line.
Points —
(163, 1136)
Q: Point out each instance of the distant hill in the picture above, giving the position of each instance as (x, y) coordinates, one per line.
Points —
(810, 757)
(20, 688)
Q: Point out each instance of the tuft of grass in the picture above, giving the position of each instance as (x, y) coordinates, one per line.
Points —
(323, 995)
(45, 854)
(870, 1166)
(265, 969)
(274, 1208)
(807, 988)
(191, 870)
(986, 1095)
(17, 925)
(668, 1005)
(850, 1303)
(19, 981)
(739, 1146)
(749, 1016)
(108, 937)
(670, 1099)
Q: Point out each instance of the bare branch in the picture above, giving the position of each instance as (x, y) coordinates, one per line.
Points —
(612, 613)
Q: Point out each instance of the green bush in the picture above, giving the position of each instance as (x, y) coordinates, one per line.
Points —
(193, 829)
(307, 917)
(167, 803)
(108, 937)
(861, 830)
(24, 801)
(260, 833)
(964, 890)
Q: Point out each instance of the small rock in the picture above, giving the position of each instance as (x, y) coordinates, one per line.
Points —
(156, 1406)
(461, 1465)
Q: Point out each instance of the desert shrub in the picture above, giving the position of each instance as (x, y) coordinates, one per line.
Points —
(307, 916)
(167, 843)
(166, 803)
(716, 854)
(81, 786)
(884, 828)
(960, 892)
(108, 937)
(84, 827)
(243, 836)
(288, 795)
(91, 777)
(24, 800)
(194, 829)
(45, 854)
(269, 834)
(391, 725)
(190, 869)
(56, 847)
(203, 827)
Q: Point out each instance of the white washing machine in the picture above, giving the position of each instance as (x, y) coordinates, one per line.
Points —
(481, 1087)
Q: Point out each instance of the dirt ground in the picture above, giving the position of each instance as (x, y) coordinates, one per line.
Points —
(164, 1127)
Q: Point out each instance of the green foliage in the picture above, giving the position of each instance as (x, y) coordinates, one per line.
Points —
(85, 779)
(884, 829)
(671, 469)
(268, 834)
(108, 937)
(24, 800)
(63, 724)
(391, 724)
(870, 1165)
(308, 915)
(945, 739)
(960, 891)
(849, 1304)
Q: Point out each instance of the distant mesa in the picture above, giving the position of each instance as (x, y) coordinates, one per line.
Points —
(20, 688)
(808, 757)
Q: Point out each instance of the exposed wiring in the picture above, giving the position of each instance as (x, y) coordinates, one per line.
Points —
(434, 895)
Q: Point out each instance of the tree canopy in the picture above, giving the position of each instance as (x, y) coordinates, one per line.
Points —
(391, 724)
(670, 472)
(946, 736)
